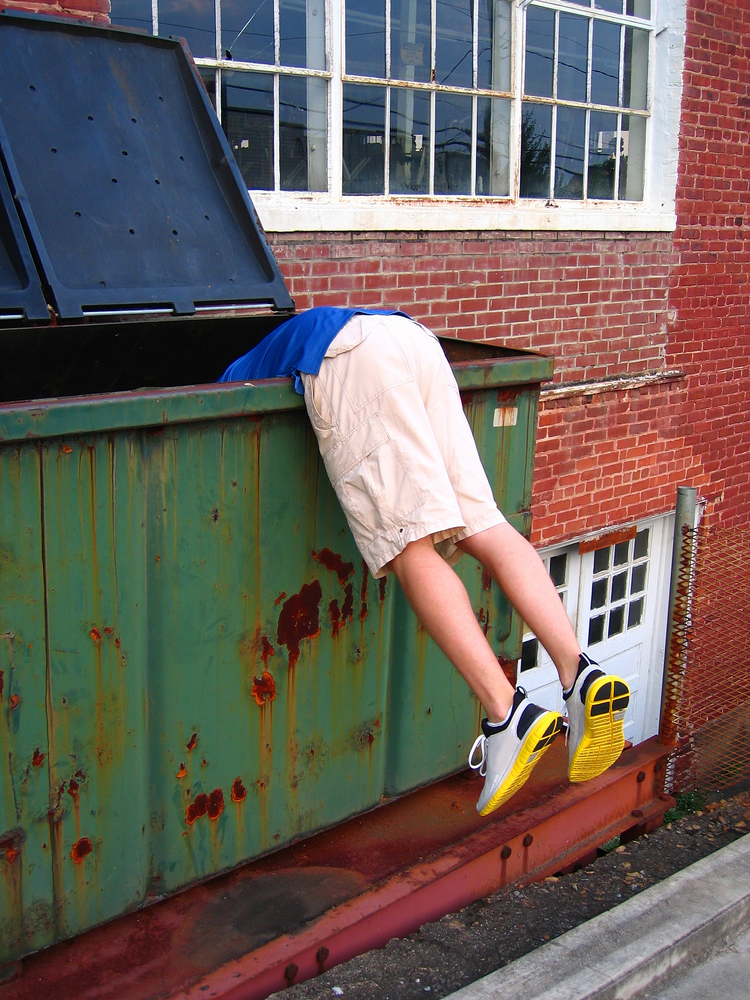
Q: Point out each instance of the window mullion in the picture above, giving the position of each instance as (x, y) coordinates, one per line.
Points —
(590, 60)
(552, 152)
(617, 157)
(336, 37)
(387, 141)
(621, 69)
(217, 25)
(388, 39)
(155, 16)
(276, 135)
(432, 143)
(586, 146)
(473, 187)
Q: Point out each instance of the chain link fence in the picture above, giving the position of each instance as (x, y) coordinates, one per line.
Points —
(706, 706)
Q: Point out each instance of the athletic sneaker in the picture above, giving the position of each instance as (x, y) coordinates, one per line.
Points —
(596, 708)
(510, 751)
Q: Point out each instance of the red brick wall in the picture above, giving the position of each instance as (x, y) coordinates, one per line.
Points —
(88, 10)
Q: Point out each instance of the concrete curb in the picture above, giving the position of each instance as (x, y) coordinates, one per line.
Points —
(618, 954)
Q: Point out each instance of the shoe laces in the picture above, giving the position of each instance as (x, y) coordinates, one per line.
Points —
(480, 741)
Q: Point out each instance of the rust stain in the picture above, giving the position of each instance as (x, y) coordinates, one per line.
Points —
(239, 792)
(73, 787)
(192, 742)
(299, 619)
(381, 588)
(197, 808)
(15, 701)
(335, 564)
(117, 643)
(607, 539)
(363, 592)
(266, 651)
(215, 804)
(95, 635)
(80, 849)
(182, 771)
(11, 845)
(280, 598)
(38, 757)
(263, 689)
(107, 630)
(509, 669)
(486, 580)
(335, 613)
(2, 683)
(66, 449)
(348, 606)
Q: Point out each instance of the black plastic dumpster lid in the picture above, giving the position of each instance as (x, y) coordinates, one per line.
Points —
(126, 184)
(20, 289)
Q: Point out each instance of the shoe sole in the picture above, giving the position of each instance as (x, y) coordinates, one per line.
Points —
(536, 743)
(603, 737)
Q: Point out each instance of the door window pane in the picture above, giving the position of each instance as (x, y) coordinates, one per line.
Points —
(635, 613)
(601, 560)
(363, 139)
(410, 40)
(365, 37)
(410, 142)
(540, 48)
(302, 134)
(195, 22)
(558, 569)
(641, 544)
(596, 630)
(247, 116)
(452, 144)
(571, 132)
(247, 30)
(638, 579)
(602, 154)
(619, 587)
(453, 44)
(572, 58)
(536, 145)
(599, 594)
(605, 63)
(622, 553)
(616, 620)
(493, 142)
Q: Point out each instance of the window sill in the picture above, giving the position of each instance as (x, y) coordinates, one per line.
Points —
(316, 213)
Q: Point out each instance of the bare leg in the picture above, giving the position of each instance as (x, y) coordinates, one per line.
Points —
(441, 604)
(515, 565)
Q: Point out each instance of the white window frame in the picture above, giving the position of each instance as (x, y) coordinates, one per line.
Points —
(282, 211)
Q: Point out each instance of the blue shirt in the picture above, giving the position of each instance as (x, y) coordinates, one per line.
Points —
(298, 345)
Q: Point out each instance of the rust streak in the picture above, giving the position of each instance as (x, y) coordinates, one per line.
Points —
(2, 683)
(95, 635)
(182, 771)
(335, 613)
(38, 757)
(335, 563)
(363, 592)
(381, 588)
(192, 742)
(348, 606)
(299, 619)
(280, 598)
(15, 701)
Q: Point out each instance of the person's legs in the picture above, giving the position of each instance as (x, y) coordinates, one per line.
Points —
(515, 565)
(441, 604)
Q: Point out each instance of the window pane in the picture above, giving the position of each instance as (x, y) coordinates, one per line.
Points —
(493, 145)
(619, 587)
(632, 157)
(636, 69)
(596, 630)
(410, 142)
(572, 58)
(494, 50)
(641, 544)
(613, 6)
(616, 620)
(571, 132)
(365, 37)
(195, 22)
(536, 139)
(132, 14)
(622, 553)
(364, 136)
(302, 134)
(602, 154)
(410, 40)
(638, 8)
(453, 44)
(247, 30)
(601, 560)
(208, 75)
(529, 654)
(302, 31)
(558, 569)
(605, 63)
(540, 44)
(452, 144)
(635, 613)
(599, 594)
(247, 100)
(638, 579)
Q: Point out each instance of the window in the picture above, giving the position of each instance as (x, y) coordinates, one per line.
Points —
(486, 105)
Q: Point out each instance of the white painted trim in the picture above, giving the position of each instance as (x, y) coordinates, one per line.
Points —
(591, 387)
(310, 213)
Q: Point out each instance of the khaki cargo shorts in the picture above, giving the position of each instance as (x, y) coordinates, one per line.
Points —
(395, 440)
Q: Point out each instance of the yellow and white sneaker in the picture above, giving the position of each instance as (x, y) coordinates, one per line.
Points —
(596, 707)
(510, 751)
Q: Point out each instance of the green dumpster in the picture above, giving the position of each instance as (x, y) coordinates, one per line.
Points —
(195, 666)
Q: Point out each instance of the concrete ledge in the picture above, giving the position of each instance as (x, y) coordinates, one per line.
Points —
(621, 952)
